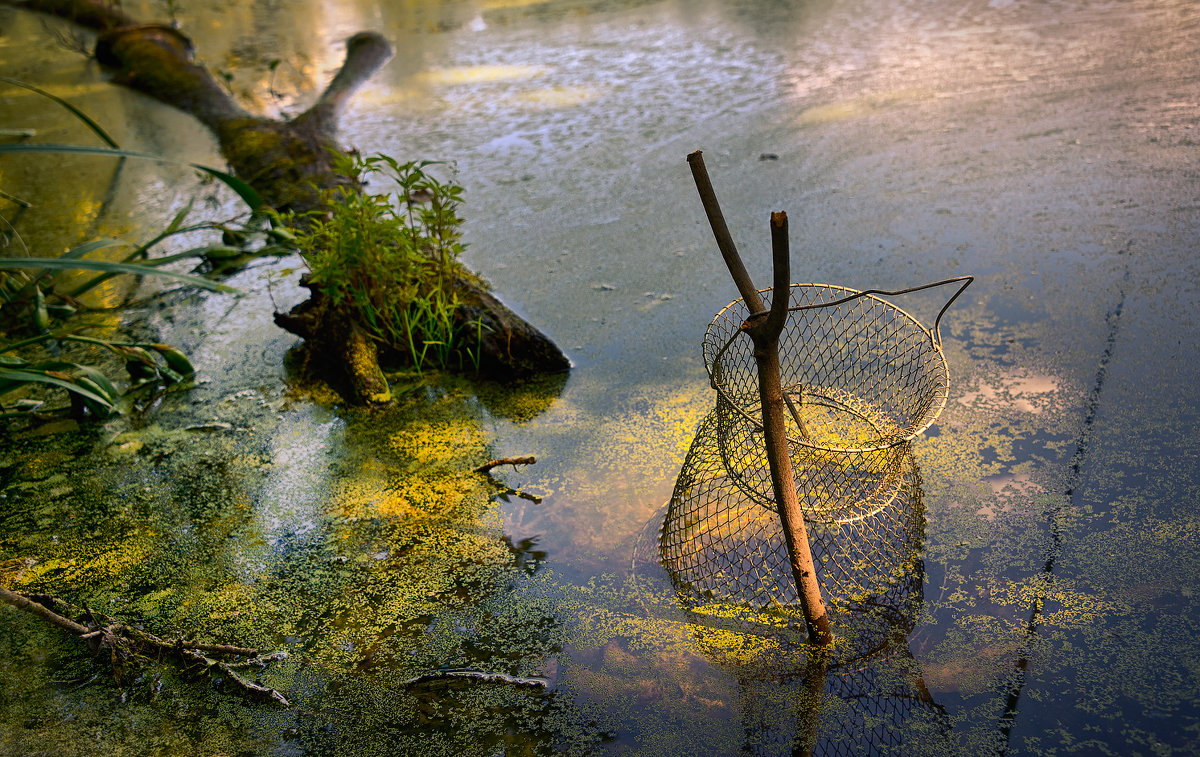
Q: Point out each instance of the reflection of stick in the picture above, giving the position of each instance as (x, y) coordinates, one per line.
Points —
(808, 712)
(764, 329)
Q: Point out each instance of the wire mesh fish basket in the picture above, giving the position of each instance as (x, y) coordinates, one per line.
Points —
(718, 544)
(861, 378)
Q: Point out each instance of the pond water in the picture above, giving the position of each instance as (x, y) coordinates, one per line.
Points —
(1047, 148)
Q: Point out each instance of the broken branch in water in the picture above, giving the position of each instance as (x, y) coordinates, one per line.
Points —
(124, 642)
(478, 675)
(513, 461)
(764, 328)
(504, 489)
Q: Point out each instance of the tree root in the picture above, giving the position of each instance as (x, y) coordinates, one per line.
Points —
(127, 646)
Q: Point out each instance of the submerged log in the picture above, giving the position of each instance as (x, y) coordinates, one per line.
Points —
(289, 163)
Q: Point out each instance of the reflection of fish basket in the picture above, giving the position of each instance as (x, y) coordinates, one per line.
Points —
(718, 543)
(867, 695)
(861, 378)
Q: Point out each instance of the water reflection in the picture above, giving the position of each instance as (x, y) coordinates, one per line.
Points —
(726, 558)
(361, 543)
(868, 698)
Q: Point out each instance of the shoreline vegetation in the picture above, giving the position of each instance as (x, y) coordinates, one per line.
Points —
(297, 167)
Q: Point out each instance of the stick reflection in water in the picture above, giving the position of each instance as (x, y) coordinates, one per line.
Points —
(727, 560)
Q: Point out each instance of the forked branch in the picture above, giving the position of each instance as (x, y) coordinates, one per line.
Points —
(126, 645)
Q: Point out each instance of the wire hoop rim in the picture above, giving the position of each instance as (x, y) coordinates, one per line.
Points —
(931, 415)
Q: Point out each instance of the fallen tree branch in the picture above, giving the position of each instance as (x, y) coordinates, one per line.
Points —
(513, 461)
(290, 165)
(125, 643)
(478, 675)
(22, 602)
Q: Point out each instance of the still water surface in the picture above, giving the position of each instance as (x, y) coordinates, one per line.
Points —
(1050, 149)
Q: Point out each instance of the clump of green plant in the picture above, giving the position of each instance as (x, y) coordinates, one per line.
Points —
(389, 261)
(38, 309)
(34, 297)
(90, 391)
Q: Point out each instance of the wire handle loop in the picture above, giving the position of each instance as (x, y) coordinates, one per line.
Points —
(935, 333)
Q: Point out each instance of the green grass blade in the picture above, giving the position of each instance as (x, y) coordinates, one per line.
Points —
(87, 121)
(86, 247)
(29, 377)
(107, 266)
(102, 382)
(243, 190)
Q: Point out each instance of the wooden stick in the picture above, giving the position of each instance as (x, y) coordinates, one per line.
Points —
(764, 332)
(765, 335)
(478, 675)
(43, 612)
(716, 219)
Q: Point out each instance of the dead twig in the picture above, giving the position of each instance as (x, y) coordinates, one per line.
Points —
(124, 642)
(513, 461)
(22, 602)
(485, 676)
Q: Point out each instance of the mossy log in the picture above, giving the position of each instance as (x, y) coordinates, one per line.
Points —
(509, 347)
(289, 164)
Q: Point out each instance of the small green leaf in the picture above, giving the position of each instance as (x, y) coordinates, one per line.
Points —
(176, 360)
(41, 317)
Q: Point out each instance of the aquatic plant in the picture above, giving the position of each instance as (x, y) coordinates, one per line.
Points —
(389, 261)
(34, 293)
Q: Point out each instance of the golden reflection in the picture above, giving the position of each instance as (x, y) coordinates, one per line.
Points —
(63, 90)
(557, 97)
(1026, 392)
(478, 74)
(497, 5)
(846, 110)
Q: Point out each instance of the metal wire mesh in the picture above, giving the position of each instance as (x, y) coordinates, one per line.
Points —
(861, 378)
(718, 543)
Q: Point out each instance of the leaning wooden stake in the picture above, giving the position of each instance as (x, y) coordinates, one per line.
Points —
(764, 328)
